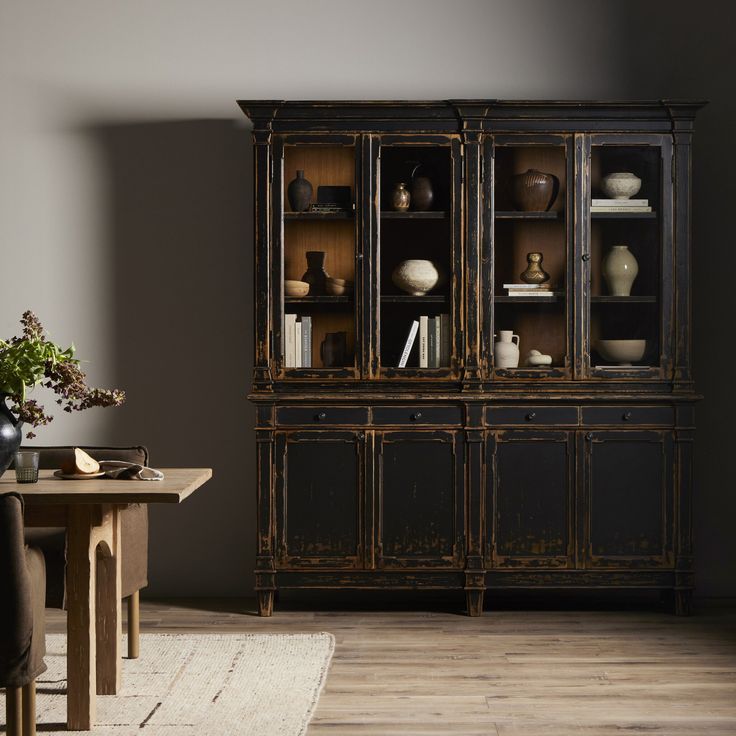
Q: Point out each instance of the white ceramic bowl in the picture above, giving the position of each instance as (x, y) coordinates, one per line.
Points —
(295, 288)
(623, 352)
(415, 276)
(621, 185)
(338, 287)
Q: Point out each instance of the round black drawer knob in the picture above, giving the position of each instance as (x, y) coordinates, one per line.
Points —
(626, 416)
(416, 416)
(586, 256)
(530, 416)
(589, 436)
(320, 417)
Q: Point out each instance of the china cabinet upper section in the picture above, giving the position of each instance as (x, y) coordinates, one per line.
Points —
(472, 245)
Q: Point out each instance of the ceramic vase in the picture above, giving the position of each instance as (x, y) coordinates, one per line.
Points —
(10, 434)
(533, 191)
(315, 275)
(333, 349)
(506, 350)
(422, 194)
(415, 276)
(534, 273)
(400, 198)
(620, 268)
(621, 185)
(299, 192)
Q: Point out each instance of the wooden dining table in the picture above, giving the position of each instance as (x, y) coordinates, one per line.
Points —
(90, 511)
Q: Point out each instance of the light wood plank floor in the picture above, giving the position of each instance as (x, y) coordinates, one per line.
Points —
(520, 673)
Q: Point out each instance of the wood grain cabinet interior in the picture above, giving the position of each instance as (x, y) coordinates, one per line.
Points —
(403, 442)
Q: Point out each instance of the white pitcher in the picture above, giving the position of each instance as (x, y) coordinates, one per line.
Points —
(506, 350)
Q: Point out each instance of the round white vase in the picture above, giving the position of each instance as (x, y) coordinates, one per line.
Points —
(620, 268)
(621, 185)
(506, 350)
(415, 276)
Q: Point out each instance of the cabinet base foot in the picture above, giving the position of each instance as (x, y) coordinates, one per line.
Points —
(265, 602)
(474, 600)
(683, 602)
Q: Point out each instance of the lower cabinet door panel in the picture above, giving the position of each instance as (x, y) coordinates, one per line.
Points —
(420, 499)
(319, 498)
(629, 491)
(530, 499)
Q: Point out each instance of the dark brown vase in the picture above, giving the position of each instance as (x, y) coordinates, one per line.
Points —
(422, 194)
(333, 349)
(533, 191)
(299, 193)
(315, 275)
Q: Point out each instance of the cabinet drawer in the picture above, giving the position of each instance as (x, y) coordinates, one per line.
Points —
(305, 415)
(628, 415)
(531, 415)
(447, 415)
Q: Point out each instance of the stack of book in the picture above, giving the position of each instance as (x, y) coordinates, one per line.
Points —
(536, 290)
(620, 205)
(297, 341)
(434, 341)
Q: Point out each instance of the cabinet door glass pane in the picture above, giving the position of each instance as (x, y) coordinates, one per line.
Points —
(531, 266)
(625, 258)
(319, 249)
(417, 255)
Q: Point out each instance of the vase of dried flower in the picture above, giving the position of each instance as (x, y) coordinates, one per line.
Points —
(10, 434)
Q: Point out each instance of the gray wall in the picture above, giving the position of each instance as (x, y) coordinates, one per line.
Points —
(126, 202)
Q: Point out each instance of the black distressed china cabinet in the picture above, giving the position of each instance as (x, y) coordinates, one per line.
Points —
(472, 365)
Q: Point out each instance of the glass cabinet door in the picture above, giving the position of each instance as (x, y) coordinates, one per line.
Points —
(316, 282)
(627, 256)
(418, 257)
(527, 284)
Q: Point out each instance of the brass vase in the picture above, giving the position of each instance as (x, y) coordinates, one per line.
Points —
(534, 273)
(400, 197)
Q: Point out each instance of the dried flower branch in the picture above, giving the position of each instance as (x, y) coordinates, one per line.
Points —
(30, 360)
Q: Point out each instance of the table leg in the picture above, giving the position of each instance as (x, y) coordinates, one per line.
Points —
(92, 532)
(109, 623)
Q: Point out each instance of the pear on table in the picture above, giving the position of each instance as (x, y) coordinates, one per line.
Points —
(80, 463)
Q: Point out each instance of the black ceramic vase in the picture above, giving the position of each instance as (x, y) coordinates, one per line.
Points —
(10, 435)
(422, 193)
(299, 193)
(315, 275)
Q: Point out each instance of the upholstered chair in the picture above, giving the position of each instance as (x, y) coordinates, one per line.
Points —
(134, 539)
(22, 626)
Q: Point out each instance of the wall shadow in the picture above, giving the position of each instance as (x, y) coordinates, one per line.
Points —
(181, 233)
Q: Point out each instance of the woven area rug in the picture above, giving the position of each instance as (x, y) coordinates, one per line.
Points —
(208, 685)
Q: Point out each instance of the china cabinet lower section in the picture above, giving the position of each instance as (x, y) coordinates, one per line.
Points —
(475, 495)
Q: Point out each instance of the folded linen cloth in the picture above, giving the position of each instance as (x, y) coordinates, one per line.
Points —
(121, 470)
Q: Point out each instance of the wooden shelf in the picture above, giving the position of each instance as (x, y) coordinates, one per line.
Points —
(409, 299)
(306, 300)
(431, 215)
(318, 216)
(623, 299)
(514, 215)
(623, 215)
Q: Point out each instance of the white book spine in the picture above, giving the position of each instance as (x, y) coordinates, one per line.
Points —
(620, 202)
(423, 325)
(620, 209)
(289, 323)
(297, 345)
(409, 344)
